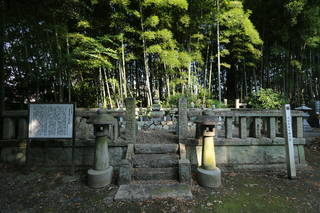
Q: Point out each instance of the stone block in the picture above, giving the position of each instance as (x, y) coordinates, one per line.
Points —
(185, 171)
(99, 179)
(209, 178)
(131, 124)
(125, 172)
(183, 119)
(9, 129)
(22, 128)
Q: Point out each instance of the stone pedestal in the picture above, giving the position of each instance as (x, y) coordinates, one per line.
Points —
(209, 178)
(101, 175)
(100, 178)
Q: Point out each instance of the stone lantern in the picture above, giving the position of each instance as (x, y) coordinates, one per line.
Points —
(208, 175)
(101, 174)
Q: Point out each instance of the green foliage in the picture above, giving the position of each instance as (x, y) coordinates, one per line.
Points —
(210, 102)
(174, 100)
(267, 99)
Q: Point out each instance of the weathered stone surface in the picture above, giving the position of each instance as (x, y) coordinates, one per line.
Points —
(8, 129)
(101, 153)
(156, 148)
(22, 128)
(12, 155)
(125, 172)
(101, 178)
(183, 119)
(131, 124)
(83, 129)
(272, 127)
(155, 160)
(185, 171)
(228, 127)
(209, 178)
(140, 192)
(155, 173)
(243, 127)
(246, 155)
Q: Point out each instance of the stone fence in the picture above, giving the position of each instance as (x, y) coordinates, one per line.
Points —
(245, 137)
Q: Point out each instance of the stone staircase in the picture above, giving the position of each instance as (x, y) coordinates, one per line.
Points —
(155, 162)
(155, 173)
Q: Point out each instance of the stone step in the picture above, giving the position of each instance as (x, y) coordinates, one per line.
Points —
(155, 160)
(156, 173)
(141, 192)
(155, 148)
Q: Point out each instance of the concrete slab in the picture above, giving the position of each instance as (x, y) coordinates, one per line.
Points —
(140, 192)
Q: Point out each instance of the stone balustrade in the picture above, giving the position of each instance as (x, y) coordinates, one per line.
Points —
(235, 123)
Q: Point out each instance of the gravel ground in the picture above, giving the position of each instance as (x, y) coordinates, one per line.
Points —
(53, 190)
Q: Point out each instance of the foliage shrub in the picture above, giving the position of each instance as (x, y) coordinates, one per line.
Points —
(173, 100)
(266, 99)
(197, 100)
(210, 102)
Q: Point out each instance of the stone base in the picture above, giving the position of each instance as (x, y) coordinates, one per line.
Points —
(99, 179)
(209, 178)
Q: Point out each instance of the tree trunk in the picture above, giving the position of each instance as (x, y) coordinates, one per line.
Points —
(59, 68)
(107, 84)
(102, 89)
(124, 76)
(68, 72)
(2, 71)
(145, 60)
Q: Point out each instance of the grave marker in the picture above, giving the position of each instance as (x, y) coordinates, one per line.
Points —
(287, 131)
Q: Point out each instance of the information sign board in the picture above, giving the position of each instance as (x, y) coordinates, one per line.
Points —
(51, 121)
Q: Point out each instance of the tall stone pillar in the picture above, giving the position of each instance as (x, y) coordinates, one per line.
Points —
(182, 119)
(131, 123)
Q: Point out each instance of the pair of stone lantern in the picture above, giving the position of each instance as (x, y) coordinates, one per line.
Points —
(208, 175)
(104, 130)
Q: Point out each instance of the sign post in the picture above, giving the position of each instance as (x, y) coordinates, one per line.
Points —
(51, 121)
(287, 131)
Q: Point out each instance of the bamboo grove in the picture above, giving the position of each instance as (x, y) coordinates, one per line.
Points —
(102, 51)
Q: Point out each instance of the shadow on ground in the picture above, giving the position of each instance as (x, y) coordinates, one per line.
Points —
(44, 190)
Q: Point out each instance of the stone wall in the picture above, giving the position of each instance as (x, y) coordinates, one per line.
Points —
(249, 154)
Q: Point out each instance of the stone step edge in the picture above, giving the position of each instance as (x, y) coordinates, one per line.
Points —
(155, 148)
(141, 192)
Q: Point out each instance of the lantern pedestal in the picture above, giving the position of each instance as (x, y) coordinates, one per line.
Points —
(99, 178)
(209, 178)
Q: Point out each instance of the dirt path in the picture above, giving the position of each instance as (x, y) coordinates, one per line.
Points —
(41, 190)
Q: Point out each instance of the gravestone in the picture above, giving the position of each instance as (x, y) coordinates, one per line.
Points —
(156, 113)
(287, 129)
(183, 119)
(131, 124)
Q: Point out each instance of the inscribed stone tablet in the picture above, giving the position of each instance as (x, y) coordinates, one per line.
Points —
(51, 120)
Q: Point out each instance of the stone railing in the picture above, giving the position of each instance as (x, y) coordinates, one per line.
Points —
(235, 123)
(256, 123)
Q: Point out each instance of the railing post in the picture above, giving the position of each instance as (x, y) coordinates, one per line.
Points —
(237, 103)
(298, 127)
(243, 128)
(22, 128)
(272, 127)
(228, 127)
(257, 124)
(9, 130)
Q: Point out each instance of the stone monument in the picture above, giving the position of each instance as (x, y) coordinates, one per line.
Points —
(156, 113)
